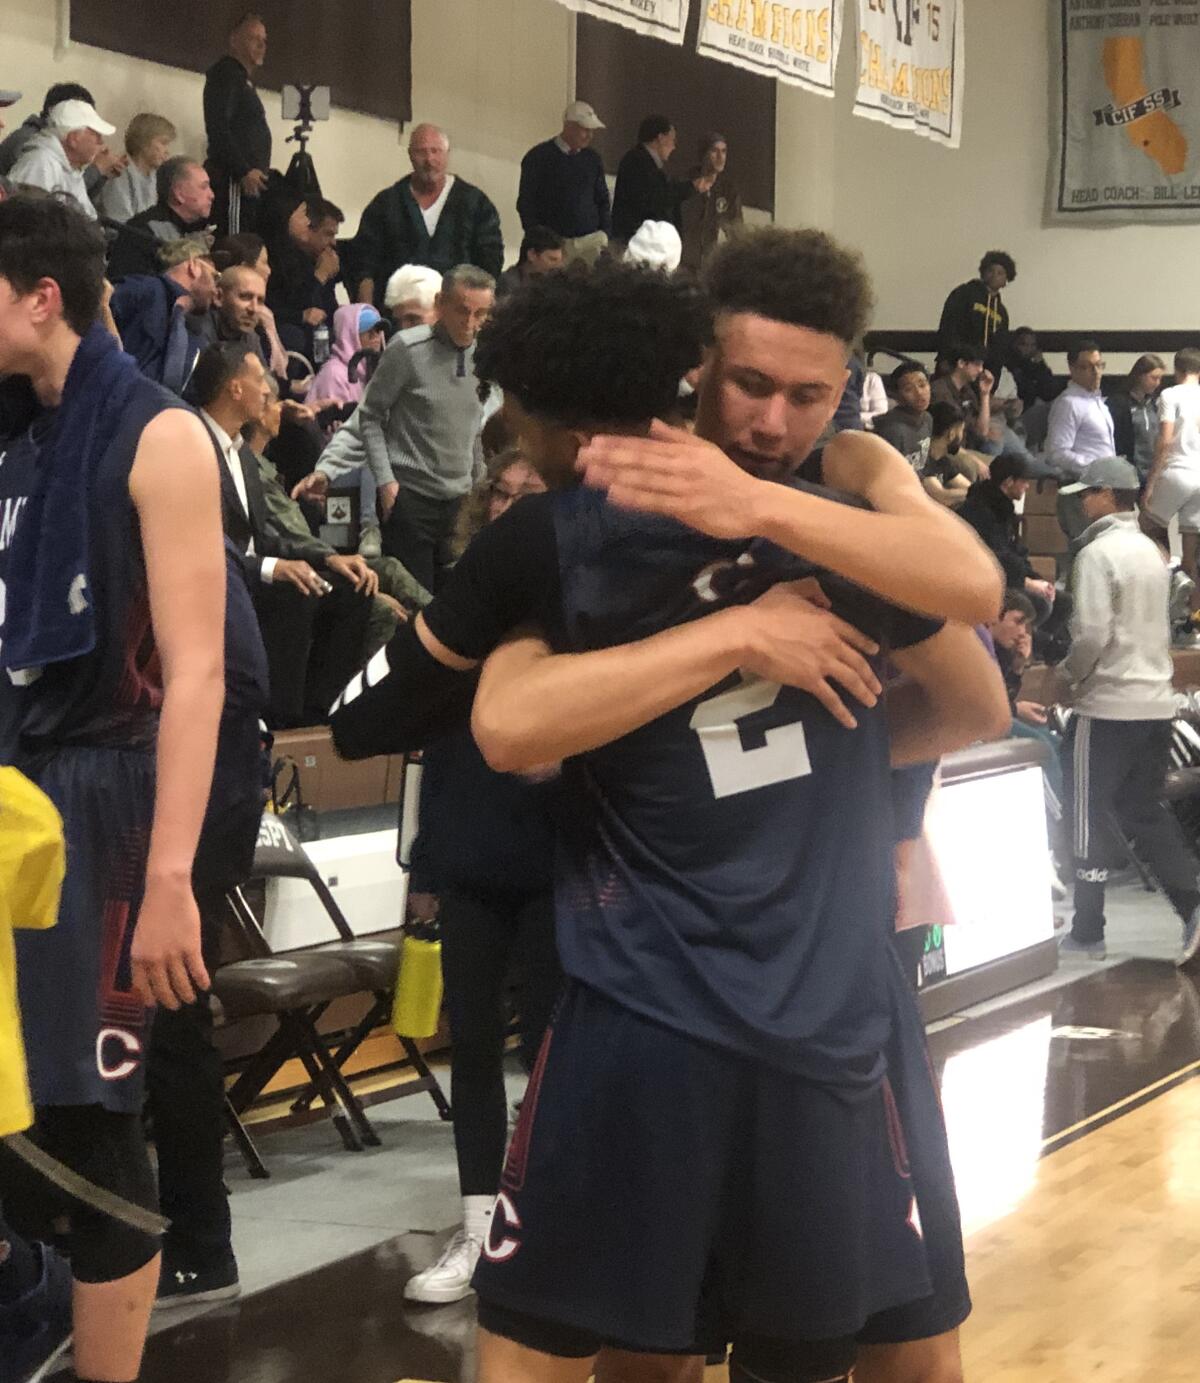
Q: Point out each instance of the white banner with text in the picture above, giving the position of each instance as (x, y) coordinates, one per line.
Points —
(797, 43)
(911, 66)
(665, 19)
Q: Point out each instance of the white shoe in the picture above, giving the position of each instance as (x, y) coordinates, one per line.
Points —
(370, 544)
(449, 1279)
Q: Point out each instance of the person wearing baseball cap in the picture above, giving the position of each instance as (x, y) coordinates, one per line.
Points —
(563, 186)
(55, 159)
(1118, 744)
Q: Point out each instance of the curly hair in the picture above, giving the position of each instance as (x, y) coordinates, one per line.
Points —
(599, 348)
(801, 277)
(1003, 259)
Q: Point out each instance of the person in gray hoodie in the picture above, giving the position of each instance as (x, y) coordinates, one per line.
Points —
(1118, 743)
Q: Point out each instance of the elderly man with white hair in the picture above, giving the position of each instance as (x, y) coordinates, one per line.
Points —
(57, 158)
(430, 217)
(411, 295)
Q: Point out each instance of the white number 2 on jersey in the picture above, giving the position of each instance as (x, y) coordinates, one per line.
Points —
(733, 768)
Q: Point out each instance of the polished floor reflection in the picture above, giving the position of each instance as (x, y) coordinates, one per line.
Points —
(1075, 1132)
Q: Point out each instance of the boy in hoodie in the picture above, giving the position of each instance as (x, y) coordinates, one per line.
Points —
(974, 313)
(1118, 743)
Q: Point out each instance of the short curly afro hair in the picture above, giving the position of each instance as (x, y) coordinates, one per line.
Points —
(600, 348)
(1001, 258)
(801, 277)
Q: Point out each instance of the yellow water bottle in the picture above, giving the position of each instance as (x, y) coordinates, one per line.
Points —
(418, 1003)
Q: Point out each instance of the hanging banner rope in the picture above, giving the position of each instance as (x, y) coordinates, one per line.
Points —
(1128, 137)
(665, 19)
(910, 66)
(796, 43)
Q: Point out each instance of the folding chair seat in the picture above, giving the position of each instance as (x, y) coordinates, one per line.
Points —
(374, 961)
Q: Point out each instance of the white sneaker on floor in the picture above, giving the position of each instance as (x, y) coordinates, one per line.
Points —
(370, 544)
(449, 1279)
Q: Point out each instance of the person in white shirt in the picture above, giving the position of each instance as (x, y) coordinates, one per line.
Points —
(1080, 429)
(57, 159)
(1173, 486)
(148, 140)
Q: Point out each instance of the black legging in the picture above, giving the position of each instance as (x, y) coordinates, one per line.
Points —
(481, 935)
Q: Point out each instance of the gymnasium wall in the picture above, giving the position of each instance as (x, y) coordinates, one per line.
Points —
(924, 214)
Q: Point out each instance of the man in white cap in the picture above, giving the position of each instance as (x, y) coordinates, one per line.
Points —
(657, 245)
(57, 158)
(563, 186)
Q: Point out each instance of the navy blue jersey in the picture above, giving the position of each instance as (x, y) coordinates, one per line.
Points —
(110, 696)
(727, 869)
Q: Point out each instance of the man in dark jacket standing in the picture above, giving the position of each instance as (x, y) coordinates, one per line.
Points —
(974, 313)
(644, 192)
(430, 217)
(563, 187)
(239, 138)
(718, 212)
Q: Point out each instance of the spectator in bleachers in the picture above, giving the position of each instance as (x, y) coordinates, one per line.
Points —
(948, 473)
(1119, 741)
(974, 313)
(1134, 412)
(148, 140)
(714, 215)
(429, 217)
(485, 848)
(183, 208)
(153, 313)
(313, 628)
(1080, 429)
(357, 327)
(102, 166)
(1035, 379)
(644, 190)
(304, 269)
(392, 590)
(542, 251)
(908, 426)
(235, 123)
(246, 249)
(411, 295)
(55, 159)
(968, 384)
(417, 428)
(563, 187)
(236, 311)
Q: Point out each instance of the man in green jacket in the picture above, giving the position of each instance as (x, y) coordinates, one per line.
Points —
(430, 217)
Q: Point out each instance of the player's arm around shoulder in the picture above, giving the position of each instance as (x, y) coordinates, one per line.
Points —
(175, 489)
(951, 695)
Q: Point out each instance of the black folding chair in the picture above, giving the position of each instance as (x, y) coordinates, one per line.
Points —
(374, 961)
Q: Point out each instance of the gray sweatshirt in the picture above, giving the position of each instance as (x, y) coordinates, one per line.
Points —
(418, 420)
(1120, 659)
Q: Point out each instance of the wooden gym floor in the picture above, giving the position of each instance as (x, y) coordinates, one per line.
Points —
(1074, 1120)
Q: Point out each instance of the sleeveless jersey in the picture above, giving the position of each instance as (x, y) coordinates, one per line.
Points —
(727, 869)
(110, 696)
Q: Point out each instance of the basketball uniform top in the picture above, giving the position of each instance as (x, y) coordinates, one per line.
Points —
(111, 695)
(727, 869)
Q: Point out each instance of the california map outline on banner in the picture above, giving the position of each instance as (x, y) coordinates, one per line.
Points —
(911, 66)
(665, 19)
(1128, 144)
(797, 43)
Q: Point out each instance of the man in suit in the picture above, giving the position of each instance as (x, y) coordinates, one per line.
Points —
(313, 620)
(430, 217)
(644, 191)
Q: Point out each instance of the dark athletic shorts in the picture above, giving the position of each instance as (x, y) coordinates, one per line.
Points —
(668, 1196)
(84, 1026)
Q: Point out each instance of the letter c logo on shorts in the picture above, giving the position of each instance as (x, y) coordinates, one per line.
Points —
(130, 1045)
(501, 1252)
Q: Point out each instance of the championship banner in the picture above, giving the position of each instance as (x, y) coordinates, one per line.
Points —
(911, 66)
(665, 19)
(1128, 145)
(797, 43)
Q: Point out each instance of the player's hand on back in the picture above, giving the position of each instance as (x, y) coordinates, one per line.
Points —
(167, 965)
(675, 473)
(795, 640)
